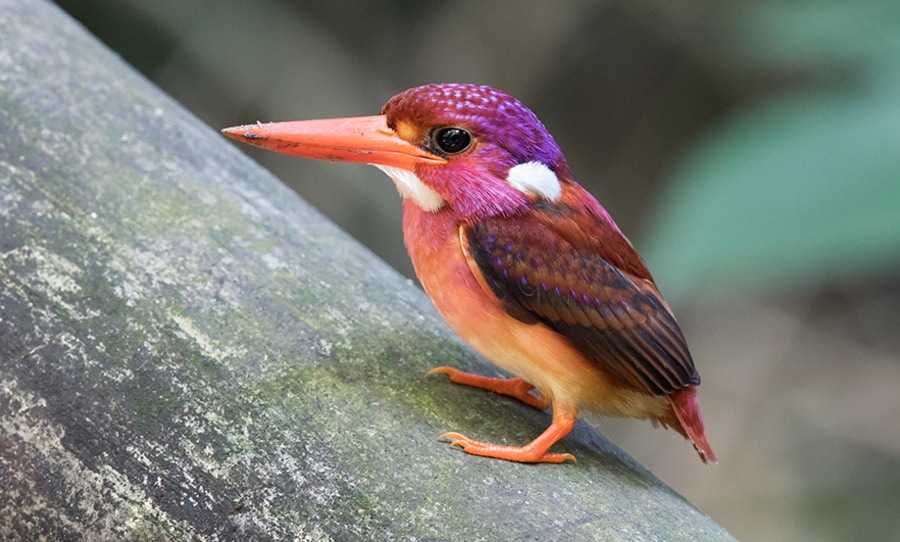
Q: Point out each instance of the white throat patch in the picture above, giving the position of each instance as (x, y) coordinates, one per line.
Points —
(411, 186)
(534, 178)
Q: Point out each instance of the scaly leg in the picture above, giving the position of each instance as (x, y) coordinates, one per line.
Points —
(534, 452)
(513, 387)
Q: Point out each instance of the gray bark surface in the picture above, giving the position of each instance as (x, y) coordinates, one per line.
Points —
(190, 352)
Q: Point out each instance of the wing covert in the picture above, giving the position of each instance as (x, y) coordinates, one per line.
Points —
(542, 274)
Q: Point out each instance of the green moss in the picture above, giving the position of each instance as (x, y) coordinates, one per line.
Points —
(226, 360)
(153, 407)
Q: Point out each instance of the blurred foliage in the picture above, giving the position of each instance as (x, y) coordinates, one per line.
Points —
(799, 186)
(637, 94)
(743, 144)
(749, 148)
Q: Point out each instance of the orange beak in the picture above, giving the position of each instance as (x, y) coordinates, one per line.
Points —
(354, 139)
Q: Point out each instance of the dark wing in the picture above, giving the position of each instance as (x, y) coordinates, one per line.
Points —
(552, 265)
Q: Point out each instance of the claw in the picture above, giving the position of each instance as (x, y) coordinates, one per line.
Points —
(535, 452)
(455, 440)
(512, 387)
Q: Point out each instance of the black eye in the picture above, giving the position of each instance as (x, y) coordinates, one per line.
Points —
(452, 140)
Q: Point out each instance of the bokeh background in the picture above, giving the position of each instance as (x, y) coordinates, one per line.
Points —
(751, 150)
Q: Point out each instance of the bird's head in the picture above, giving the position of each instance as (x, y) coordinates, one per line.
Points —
(472, 148)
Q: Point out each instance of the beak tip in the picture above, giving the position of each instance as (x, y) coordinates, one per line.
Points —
(241, 133)
(353, 139)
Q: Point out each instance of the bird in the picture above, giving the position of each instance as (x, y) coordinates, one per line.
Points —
(521, 261)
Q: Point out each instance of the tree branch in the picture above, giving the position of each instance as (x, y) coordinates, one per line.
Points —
(190, 352)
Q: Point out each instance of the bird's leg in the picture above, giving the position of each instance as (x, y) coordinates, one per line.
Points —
(513, 387)
(534, 452)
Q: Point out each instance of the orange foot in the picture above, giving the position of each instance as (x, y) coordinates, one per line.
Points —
(513, 387)
(535, 452)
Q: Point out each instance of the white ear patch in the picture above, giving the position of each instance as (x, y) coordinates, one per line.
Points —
(411, 186)
(535, 178)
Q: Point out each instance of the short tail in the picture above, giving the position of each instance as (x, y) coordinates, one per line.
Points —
(687, 410)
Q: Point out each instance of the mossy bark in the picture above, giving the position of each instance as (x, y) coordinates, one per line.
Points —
(188, 351)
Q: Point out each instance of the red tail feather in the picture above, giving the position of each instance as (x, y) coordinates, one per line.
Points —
(687, 410)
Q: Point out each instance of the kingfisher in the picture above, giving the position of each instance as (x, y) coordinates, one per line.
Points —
(520, 260)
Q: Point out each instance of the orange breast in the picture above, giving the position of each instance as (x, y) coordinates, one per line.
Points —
(565, 378)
